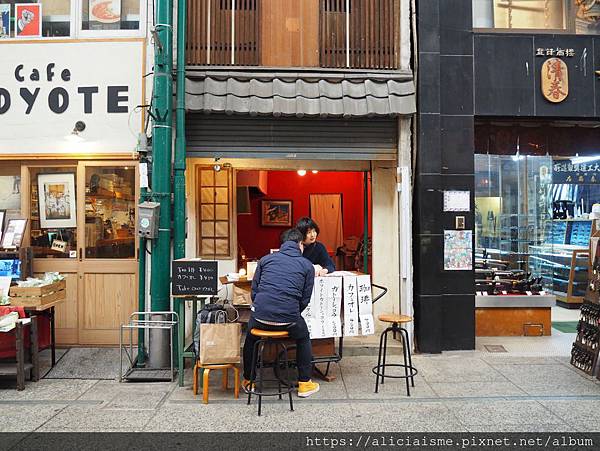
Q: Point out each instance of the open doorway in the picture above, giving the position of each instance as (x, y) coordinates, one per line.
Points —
(270, 201)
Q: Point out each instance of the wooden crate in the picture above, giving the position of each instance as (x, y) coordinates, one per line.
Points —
(37, 296)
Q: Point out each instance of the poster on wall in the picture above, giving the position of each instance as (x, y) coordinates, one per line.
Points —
(4, 21)
(458, 250)
(28, 20)
(104, 11)
(10, 192)
(13, 235)
(57, 200)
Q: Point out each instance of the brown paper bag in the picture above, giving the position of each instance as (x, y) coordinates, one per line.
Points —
(219, 343)
(242, 296)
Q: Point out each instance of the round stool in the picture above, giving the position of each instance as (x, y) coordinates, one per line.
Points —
(409, 370)
(275, 338)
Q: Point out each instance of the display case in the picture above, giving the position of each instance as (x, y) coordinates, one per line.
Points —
(564, 271)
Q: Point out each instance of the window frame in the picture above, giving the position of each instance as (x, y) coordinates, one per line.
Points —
(569, 20)
(230, 213)
(76, 22)
(140, 32)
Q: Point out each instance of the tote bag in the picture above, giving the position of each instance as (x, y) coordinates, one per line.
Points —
(219, 343)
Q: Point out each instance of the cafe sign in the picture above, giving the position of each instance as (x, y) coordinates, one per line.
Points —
(46, 88)
(555, 80)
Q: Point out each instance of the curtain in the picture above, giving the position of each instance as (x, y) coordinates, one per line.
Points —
(326, 211)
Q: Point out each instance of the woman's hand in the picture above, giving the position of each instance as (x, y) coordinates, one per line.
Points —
(322, 272)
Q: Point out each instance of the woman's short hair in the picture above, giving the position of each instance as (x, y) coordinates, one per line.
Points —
(305, 224)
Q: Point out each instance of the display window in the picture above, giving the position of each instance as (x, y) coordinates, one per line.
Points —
(39, 19)
(569, 16)
(53, 211)
(533, 224)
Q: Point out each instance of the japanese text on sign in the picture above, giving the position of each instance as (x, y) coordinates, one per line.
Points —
(558, 51)
(567, 172)
(194, 278)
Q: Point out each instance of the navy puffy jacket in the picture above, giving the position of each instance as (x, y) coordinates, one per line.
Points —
(282, 285)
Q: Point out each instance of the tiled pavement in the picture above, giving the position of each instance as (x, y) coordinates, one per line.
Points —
(467, 391)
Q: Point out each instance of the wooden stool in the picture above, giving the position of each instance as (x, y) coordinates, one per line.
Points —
(206, 372)
(266, 337)
(409, 370)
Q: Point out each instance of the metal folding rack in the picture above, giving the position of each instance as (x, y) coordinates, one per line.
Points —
(136, 370)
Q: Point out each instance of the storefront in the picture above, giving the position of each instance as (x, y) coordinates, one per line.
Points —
(71, 126)
(535, 209)
(508, 96)
(343, 172)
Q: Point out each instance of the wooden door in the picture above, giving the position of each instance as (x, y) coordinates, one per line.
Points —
(107, 264)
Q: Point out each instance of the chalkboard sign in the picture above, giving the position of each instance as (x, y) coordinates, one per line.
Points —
(194, 278)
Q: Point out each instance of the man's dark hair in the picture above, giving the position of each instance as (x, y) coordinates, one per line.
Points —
(292, 235)
(305, 224)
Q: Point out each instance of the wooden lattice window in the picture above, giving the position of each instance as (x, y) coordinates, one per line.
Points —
(223, 32)
(215, 212)
(360, 34)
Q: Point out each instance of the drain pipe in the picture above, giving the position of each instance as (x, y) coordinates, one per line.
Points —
(162, 136)
(180, 145)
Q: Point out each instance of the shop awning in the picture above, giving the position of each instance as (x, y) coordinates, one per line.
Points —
(299, 94)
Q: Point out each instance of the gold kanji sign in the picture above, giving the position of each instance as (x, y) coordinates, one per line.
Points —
(555, 80)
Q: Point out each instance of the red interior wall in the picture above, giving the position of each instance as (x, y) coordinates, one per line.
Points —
(256, 240)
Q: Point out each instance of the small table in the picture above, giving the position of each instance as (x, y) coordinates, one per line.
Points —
(47, 310)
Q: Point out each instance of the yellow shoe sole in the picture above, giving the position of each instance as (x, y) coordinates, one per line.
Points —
(306, 394)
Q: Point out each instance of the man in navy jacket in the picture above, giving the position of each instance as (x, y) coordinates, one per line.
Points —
(281, 289)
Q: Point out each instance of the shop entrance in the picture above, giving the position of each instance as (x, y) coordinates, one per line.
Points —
(269, 202)
(91, 207)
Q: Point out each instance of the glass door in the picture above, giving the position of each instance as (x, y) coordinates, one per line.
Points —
(107, 250)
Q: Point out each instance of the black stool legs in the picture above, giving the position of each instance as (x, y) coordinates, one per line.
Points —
(258, 362)
(409, 370)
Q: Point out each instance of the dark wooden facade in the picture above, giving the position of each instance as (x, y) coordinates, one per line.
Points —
(353, 34)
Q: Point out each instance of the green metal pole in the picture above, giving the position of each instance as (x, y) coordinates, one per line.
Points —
(162, 135)
(366, 223)
(180, 145)
(141, 294)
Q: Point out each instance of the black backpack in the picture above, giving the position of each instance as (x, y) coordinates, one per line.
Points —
(211, 313)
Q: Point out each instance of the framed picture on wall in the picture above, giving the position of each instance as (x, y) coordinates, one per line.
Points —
(276, 213)
(57, 203)
(28, 20)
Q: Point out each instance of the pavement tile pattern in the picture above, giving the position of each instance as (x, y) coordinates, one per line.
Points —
(461, 391)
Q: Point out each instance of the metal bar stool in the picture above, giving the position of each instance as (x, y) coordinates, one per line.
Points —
(409, 370)
(276, 338)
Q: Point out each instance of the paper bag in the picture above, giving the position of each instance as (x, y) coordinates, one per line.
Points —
(219, 343)
(241, 296)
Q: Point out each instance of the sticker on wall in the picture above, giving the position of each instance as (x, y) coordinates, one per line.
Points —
(105, 11)
(4, 21)
(457, 200)
(28, 20)
(458, 250)
(555, 80)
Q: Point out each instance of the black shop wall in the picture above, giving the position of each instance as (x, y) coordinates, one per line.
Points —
(508, 75)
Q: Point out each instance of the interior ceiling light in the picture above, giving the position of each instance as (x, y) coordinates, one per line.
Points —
(302, 172)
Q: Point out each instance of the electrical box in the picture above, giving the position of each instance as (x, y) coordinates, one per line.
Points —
(149, 213)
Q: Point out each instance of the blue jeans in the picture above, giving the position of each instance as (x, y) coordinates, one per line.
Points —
(297, 331)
